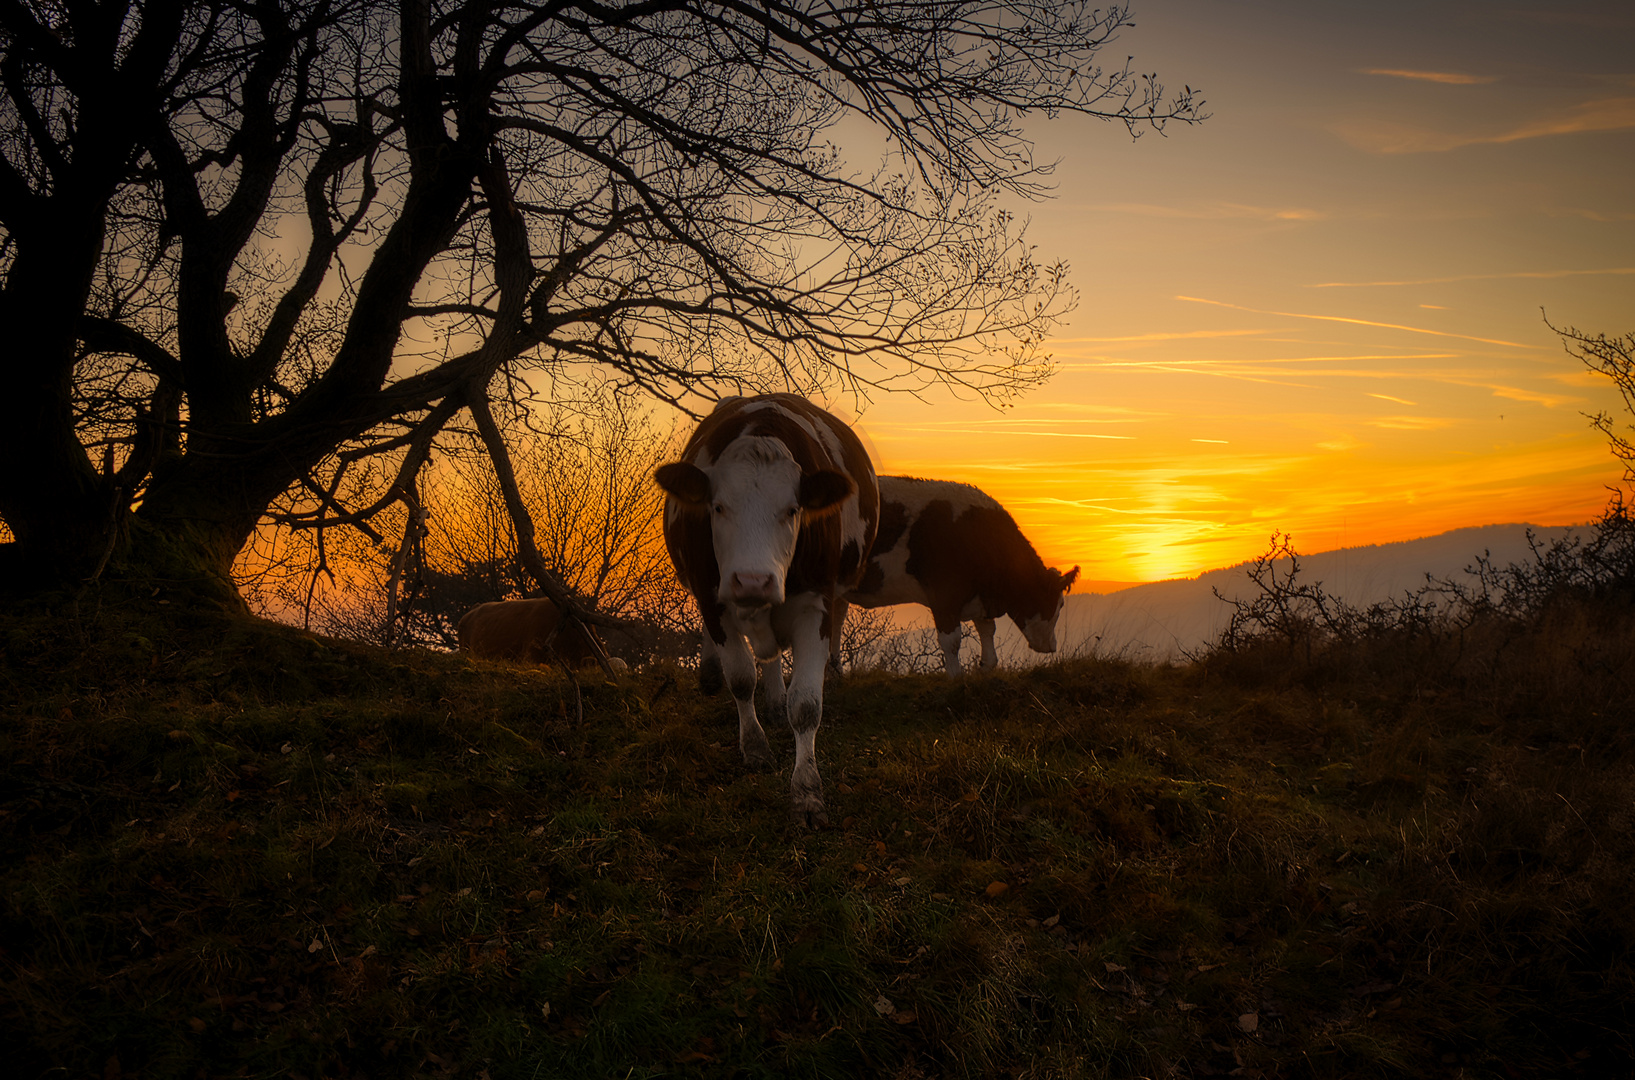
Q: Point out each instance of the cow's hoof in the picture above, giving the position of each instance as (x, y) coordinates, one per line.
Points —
(758, 755)
(808, 816)
(710, 677)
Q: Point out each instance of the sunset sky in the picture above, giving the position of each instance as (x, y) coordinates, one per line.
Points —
(1319, 311)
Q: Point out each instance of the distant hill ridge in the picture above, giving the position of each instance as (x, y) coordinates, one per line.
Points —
(1165, 620)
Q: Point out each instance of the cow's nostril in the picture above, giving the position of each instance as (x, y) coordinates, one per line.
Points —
(752, 587)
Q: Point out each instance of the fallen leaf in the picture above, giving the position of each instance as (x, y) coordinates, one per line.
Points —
(1249, 1023)
(315, 946)
(195, 1023)
(904, 881)
(883, 1005)
(903, 1016)
(1112, 968)
(996, 888)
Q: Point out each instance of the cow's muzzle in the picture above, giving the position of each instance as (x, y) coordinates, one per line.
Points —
(754, 590)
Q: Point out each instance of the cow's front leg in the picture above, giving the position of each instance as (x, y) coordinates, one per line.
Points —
(738, 665)
(810, 649)
(984, 633)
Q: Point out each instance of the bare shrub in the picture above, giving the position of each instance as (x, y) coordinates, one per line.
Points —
(583, 468)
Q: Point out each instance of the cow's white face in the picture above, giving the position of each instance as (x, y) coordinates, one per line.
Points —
(756, 498)
(1040, 630)
(754, 522)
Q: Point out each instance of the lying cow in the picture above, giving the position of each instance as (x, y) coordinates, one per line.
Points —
(955, 550)
(531, 631)
(768, 516)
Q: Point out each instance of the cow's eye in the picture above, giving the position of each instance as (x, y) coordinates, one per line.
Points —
(794, 511)
(720, 508)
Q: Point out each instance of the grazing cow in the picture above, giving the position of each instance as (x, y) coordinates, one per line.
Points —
(768, 517)
(527, 630)
(955, 550)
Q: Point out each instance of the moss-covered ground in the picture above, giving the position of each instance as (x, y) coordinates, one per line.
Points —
(229, 848)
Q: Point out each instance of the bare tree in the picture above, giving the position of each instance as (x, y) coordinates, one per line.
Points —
(269, 247)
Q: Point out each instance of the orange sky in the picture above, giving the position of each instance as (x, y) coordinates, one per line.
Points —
(1319, 312)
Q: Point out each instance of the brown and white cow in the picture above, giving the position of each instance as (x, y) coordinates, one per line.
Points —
(527, 630)
(955, 550)
(769, 516)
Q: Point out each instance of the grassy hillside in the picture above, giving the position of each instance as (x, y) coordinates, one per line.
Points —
(237, 849)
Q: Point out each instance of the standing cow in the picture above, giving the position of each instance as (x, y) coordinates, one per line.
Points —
(769, 516)
(954, 549)
(527, 630)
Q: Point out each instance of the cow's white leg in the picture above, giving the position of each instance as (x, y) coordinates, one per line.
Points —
(837, 623)
(811, 654)
(984, 632)
(950, 649)
(738, 665)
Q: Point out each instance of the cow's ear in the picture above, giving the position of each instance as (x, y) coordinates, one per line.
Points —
(1068, 578)
(824, 490)
(685, 482)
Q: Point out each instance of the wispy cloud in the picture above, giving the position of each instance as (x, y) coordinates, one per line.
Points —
(1515, 393)
(1215, 211)
(1474, 277)
(1452, 78)
(1397, 400)
(1357, 322)
(1003, 431)
(1389, 137)
(1126, 416)
(1412, 423)
(1593, 215)
(1178, 335)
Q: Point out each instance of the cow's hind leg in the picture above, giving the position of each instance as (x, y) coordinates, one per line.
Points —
(763, 642)
(777, 704)
(811, 653)
(837, 624)
(738, 664)
(984, 633)
(710, 677)
(949, 640)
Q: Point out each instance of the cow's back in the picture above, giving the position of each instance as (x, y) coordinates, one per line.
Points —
(943, 544)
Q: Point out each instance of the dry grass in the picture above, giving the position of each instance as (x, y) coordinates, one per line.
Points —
(235, 849)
